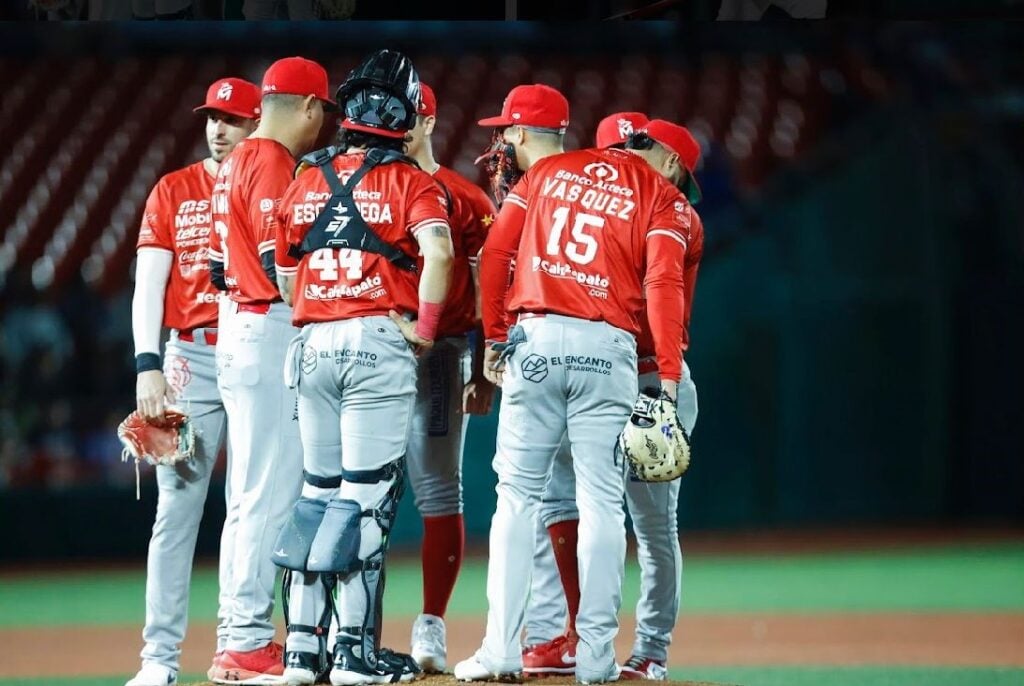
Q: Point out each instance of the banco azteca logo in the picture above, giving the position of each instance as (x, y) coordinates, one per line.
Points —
(602, 171)
(535, 368)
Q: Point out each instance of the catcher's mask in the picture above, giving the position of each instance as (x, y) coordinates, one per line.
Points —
(654, 442)
(381, 95)
(500, 165)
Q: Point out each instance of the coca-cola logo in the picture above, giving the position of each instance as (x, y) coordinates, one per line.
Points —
(198, 255)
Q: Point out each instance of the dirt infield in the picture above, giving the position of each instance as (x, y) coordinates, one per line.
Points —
(937, 639)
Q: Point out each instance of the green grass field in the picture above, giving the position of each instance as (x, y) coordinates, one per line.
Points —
(982, 578)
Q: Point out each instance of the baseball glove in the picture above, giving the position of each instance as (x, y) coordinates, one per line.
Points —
(165, 441)
(654, 442)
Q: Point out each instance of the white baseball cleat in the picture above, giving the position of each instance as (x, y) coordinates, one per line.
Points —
(154, 674)
(471, 669)
(300, 668)
(429, 644)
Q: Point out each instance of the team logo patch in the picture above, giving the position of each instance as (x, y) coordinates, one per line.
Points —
(266, 204)
(602, 171)
(224, 92)
(535, 368)
(178, 373)
(308, 359)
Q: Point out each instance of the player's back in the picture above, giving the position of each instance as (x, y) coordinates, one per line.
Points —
(396, 200)
(581, 254)
(245, 199)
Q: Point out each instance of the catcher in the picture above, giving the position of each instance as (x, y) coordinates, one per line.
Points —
(172, 288)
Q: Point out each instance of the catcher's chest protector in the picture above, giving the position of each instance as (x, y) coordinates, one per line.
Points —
(340, 224)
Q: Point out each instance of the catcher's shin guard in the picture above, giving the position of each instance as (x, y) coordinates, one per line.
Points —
(336, 550)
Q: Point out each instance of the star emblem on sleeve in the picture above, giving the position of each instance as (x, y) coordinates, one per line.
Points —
(487, 220)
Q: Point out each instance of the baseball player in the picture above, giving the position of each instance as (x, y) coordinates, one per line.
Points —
(550, 639)
(447, 391)
(265, 472)
(652, 507)
(592, 232)
(350, 231)
(173, 289)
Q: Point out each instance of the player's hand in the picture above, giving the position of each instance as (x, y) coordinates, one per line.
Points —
(152, 394)
(478, 396)
(670, 388)
(493, 367)
(408, 329)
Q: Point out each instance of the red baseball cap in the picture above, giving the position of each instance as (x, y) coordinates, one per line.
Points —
(428, 103)
(233, 96)
(298, 76)
(532, 105)
(615, 128)
(679, 140)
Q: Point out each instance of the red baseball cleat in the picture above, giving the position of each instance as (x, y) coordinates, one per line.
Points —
(557, 656)
(262, 666)
(639, 667)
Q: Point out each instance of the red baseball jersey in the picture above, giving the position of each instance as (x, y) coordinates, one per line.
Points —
(177, 219)
(472, 214)
(591, 231)
(694, 251)
(397, 200)
(246, 199)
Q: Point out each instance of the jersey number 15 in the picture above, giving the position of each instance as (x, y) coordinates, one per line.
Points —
(583, 247)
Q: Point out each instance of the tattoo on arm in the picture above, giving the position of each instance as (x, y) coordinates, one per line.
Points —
(440, 231)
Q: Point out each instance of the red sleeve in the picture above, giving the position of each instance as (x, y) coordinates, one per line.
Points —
(154, 231)
(285, 264)
(496, 259)
(270, 181)
(428, 206)
(664, 284)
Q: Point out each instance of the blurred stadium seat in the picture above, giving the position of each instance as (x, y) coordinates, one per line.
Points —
(76, 178)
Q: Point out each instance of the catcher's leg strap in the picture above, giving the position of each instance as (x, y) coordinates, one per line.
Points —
(323, 625)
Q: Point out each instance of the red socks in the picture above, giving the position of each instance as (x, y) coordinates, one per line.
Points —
(443, 541)
(564, 537)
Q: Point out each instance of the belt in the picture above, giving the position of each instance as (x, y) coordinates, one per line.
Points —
(207, 335)
(257, 308)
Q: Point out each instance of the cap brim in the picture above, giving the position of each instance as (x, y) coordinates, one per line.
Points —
(330, 105)
(495, 122)
(691, 189)
(234, 113)
(352, 126)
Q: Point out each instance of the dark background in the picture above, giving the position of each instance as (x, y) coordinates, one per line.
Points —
(859, 314)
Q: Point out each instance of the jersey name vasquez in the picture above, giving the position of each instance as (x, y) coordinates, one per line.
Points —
(595, 197)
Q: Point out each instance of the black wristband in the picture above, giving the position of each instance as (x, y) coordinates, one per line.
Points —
(147, 362)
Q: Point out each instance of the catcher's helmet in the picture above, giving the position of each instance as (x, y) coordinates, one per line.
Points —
(381, 95)
(654, 442)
